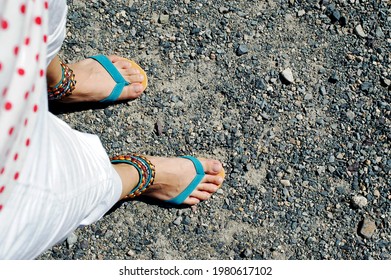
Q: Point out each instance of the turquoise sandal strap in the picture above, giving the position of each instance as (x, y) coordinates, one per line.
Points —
(200, 173)
(115, 74)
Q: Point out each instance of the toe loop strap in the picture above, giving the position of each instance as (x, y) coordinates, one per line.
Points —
(115, 74)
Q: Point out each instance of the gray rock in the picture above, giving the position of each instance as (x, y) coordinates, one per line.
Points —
(71, 239)
(379, 33)
(368, 228)
(350, 115)
(359, 201)
(287, 76)
(223, 10)
(164, 19)
(285, 183)
(301, 13)
(241, 50)
(178, 221)
(359, 31)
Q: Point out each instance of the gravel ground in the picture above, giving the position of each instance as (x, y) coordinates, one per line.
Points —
(292, 96)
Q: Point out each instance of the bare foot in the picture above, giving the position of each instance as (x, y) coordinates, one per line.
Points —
(94, 83)
(173, 175)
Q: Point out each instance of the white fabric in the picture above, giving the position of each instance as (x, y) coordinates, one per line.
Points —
(52, 178)
(57, 20)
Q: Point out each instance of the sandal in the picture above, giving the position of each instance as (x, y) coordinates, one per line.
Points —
(146, 172)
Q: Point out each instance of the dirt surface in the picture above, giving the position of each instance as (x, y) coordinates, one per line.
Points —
(307, 156)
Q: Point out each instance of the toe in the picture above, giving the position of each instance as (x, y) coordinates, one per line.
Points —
(213, 179)
(199, 195)
(212, 167)
(207, 187)
(191, 201)
(132, 91)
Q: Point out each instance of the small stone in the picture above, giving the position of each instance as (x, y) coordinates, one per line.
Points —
(72, 239)
(368, 228)
(350, 115)
(301, 13)
(335, 16)
(223, 10)
(321, 170)
(366, 86)
(323, 90)
(308, 96)
(246, 253)
(84, 244)
(386, 82)
(376, 193)
(359, 201)
(159, 128)
(287, 76)
(379, 33)
(131, 253)
(155, 17)
(334, 78)
(178, 221)
(285, 183)
(164, 19)
(241, 50)
(186, 221)
(359, 31)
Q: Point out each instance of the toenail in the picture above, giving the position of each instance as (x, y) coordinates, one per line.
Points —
(138, 87)
(220, 180)
(216, 167)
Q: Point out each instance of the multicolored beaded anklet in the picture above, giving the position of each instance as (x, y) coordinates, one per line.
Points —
(64, 87)
(145, 169)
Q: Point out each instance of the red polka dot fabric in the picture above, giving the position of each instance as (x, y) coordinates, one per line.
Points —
(22, 69)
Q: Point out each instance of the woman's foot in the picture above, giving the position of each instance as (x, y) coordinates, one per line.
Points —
(94, 83)
(172, 176)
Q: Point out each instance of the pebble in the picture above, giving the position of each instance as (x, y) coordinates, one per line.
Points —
(285, 183)
(301, 13)
(164, 19)
(247, 253)
(287, 76)
(223, 10)
(359, 201)
(159, 128)
(241, 50)
(359, 31)
(321, 170)
(178, 221)
(131, 253)
(71, 239)
(350, 115)
(368, 228)
(334, 78)
(366, 86)
(323, 90)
